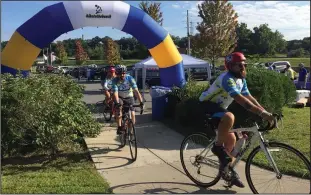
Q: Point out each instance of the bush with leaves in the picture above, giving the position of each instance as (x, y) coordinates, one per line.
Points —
(42, 113)
(183, 103)
(271, 89)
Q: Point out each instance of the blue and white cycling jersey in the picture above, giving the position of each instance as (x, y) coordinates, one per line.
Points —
(107, 84)
(223, 90)
(125, 87)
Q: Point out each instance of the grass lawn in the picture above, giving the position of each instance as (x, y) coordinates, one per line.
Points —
(296, 133)
(72, 173)
(293, 61)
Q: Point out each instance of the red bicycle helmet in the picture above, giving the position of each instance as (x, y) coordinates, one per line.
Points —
(111, 69)
(233, 58)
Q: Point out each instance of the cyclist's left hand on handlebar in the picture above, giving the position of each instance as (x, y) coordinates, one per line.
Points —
(268, 117)
(142, 105)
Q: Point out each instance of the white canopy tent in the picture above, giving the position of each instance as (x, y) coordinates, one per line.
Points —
(188, 62)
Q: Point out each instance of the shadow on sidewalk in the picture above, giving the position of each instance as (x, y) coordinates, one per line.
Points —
(161, 187)
(127, 161)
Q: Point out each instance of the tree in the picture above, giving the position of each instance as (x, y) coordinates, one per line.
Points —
(62, 55)
(217, 31)
(3, 44)
(153, 10)
(81, 55)
(280, 42)
(244, 43)
(112, 52)
(267, 42)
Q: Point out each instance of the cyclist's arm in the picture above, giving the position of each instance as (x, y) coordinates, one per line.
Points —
(230, 86)
(135, 89)
(114, 90)
(253, 100)
(106, 89)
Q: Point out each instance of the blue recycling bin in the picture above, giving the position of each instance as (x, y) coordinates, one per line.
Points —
(158, 107)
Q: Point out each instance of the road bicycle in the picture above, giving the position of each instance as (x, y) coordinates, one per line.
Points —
(129, 133)
(295, 167)
(107, 109)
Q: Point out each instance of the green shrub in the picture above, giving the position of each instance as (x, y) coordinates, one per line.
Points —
(184, 101)
(271, 89)
(42, 113)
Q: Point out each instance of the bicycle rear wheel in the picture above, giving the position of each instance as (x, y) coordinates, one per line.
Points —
(292, 164)
(193, 159)
(132, 140)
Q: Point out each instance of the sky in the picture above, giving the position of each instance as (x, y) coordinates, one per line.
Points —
(291, 18)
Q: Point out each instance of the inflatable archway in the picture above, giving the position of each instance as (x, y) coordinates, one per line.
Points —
(52, 21)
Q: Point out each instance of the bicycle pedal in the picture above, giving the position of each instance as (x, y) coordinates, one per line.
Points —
(228, 184)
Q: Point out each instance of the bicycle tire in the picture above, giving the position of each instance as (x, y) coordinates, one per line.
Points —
(132, 144)
(213, 182)
(107, 108)
(272, 144)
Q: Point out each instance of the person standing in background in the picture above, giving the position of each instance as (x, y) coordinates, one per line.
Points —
(289, 72)
(302, 78)
(88, 73)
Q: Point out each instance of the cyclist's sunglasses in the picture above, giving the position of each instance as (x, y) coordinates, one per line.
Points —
(120, 73)
(240, 64)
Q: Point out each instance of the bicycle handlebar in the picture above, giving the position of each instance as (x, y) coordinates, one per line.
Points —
(141, 109)
(274, 123)
(135, 106)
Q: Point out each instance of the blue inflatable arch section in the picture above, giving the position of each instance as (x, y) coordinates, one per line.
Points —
(52, 21)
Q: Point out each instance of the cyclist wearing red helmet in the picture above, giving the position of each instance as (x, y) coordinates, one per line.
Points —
(111, 74)
(230, 85)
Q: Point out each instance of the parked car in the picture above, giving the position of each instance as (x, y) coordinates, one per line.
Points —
(152, 77)
(199, 73)
(279, 65)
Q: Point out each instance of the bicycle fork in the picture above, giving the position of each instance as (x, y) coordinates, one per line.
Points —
(263, 146)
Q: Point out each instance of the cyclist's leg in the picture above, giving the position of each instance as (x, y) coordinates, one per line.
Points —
(225, 140)
(223, 120)
(132, 109)
(119, 116)
(130, 102)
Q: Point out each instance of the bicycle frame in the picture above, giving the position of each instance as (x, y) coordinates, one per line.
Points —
(250, 141)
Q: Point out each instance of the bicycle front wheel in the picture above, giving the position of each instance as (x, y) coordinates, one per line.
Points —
(132, 140)
(293, 166)
(107, 112)
(199, 163)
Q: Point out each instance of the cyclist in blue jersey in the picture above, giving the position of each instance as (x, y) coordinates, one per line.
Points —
(107, 83)
(230, 85)
(124, 87)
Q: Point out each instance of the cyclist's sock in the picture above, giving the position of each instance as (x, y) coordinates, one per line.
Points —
(222, 155)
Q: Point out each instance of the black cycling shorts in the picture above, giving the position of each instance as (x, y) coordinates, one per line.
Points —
(127, 102)
(215, 110)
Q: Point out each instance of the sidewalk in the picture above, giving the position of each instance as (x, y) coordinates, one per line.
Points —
(157, 168)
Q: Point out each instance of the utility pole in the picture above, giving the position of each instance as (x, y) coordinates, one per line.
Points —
(188, 34)
(51, 53)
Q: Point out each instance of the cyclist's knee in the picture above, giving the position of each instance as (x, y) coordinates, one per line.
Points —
(228, 117)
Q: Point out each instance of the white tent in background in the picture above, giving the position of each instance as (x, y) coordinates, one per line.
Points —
(188, 62)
